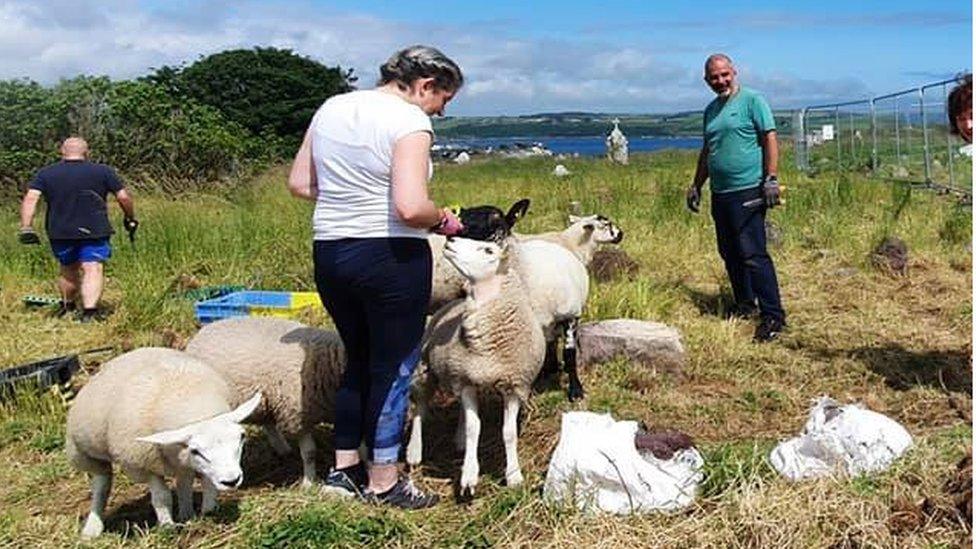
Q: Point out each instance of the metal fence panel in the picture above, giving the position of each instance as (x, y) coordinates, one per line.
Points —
(901, 136)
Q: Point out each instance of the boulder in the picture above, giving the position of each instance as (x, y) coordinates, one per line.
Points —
(650, 344)
(560, 171)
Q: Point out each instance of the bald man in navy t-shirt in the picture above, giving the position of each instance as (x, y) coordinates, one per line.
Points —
(77, 224)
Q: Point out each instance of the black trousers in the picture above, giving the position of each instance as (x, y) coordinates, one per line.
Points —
(376, 290)
(741, 235)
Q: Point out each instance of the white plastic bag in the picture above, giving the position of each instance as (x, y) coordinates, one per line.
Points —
(847, 438)
(597, 467)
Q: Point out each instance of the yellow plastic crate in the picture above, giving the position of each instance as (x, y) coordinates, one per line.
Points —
(297, 302)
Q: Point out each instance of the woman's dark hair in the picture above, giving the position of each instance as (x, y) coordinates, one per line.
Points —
(960, 98)
(409, 64)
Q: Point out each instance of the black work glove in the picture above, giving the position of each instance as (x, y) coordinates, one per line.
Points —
(693, 198)
(130, 224)
(771, 191)
(28, 236)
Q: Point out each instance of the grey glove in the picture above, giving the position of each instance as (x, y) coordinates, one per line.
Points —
(771, 191)
(693, 198)
(28, 236)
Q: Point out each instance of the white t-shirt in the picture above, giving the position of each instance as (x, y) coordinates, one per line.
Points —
(353, 136)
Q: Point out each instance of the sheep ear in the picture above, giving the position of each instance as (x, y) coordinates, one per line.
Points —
(166, 438)
(241, 413)
(517, 211)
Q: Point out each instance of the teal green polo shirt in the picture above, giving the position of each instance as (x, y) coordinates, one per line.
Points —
(732, 130)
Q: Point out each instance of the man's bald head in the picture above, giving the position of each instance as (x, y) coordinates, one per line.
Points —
(717, 57)
(74, 148)
(720, 74)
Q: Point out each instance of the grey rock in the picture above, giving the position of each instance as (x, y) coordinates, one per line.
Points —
(653, 345)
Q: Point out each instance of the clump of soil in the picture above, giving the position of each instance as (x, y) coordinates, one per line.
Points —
(960, 488)
(663, 444)
(611, 264)
(891, 256)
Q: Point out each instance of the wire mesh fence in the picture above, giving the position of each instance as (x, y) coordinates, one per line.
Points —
(902, 136)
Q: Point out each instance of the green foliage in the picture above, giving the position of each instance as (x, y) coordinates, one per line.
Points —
(265, 90)
(330, 526)
(151, 137)
(733, 465)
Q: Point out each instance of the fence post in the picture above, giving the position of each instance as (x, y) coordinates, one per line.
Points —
(897, 134)
(874, 138)
(925, 136)
(837, 135)
(945, 97)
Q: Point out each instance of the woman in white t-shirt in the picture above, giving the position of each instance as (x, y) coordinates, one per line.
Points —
(365, 162)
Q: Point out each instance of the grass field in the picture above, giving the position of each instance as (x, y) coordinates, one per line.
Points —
(900, 344)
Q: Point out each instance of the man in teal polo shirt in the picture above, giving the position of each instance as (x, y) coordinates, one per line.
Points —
(739, 158)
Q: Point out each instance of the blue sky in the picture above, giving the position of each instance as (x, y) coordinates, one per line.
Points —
(522, 57)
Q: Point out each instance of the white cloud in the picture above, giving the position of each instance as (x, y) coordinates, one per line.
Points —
(50, 39)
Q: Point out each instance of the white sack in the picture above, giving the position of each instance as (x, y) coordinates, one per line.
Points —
(848, 438)
(597, 466)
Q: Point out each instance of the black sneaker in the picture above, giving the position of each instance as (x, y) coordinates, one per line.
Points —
(405, 496)
(90, 315)
(64, 308)
(768, 330)
(347, 482)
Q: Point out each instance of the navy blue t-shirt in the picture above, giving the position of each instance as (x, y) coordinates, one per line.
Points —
(75, 192)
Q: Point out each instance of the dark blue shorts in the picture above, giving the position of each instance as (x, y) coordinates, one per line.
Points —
(73, 251)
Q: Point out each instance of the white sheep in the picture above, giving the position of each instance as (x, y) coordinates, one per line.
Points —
(582, 237)
(553, 269)
(157, 413)
(297, 368)
(487, 341)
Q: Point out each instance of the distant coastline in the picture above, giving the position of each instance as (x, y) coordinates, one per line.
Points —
(592, 145)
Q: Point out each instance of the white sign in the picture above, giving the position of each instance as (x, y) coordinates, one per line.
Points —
(828, 132)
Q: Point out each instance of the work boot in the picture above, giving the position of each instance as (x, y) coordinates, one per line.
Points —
(65, 307)
(769, 329)
(90, 315)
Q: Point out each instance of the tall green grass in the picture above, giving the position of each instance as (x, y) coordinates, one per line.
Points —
(900, 344)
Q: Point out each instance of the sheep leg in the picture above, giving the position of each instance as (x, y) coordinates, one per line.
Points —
(415, 448)
(513, 472)
(460, 434)
(162, 500)
(472, 424)
(277, 442)
(209, 496)
(306, 446)
(184, 496)
(575, 391)
(101, 485)
(550, 366)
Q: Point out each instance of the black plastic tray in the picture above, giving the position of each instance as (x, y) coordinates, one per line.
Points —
(41, 374)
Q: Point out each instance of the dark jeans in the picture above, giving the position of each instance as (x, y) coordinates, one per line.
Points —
(741, 235)
(377, 291)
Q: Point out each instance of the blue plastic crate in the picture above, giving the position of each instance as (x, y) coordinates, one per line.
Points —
(254, 303)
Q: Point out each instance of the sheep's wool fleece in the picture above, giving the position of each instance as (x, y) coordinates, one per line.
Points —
(495, 345)
(138, 394)
(297, 368)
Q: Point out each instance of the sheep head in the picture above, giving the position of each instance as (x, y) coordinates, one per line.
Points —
(490, 222)
(597, 228)
(211, 447)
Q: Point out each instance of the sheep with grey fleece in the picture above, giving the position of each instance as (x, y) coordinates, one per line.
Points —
(296, 367)
(157, 413)
(489, 341)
